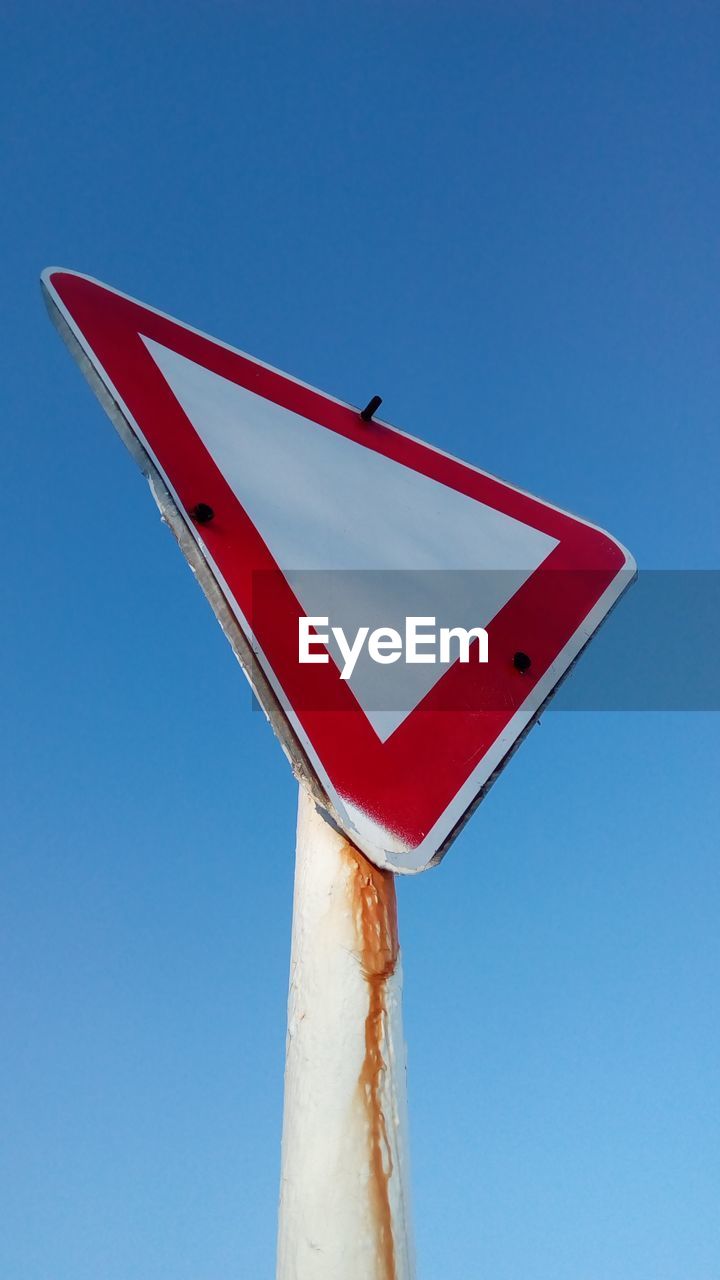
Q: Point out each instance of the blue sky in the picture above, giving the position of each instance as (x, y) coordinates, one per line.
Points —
(503, 218)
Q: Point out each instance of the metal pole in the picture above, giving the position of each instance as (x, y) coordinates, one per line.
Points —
(344, 1189)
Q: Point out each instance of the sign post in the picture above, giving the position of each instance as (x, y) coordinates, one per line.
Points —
(403, 618)
(344, 1191)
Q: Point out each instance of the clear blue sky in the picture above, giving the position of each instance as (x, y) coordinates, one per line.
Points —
(503, 217)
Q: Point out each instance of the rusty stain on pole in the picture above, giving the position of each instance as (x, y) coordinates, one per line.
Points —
(375, 907)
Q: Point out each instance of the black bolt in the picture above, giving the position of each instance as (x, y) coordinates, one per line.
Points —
(521, 662)
(370, 408)
(202, 513)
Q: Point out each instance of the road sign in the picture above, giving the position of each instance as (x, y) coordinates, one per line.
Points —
(336, 551)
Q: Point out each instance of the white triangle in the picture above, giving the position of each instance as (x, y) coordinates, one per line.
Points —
(324, 504)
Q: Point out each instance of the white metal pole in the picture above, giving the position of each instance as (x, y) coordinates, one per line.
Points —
(344, 1190)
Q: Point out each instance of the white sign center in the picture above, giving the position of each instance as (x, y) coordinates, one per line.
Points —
(382, 515)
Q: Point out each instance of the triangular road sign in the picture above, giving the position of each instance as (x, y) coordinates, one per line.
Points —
(289, 506)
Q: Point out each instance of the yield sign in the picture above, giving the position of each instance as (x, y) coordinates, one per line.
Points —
(290, 506)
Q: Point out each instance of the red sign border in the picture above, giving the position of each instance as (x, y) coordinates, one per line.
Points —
(414, 774)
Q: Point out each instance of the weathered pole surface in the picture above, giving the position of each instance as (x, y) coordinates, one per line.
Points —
(344, 1191)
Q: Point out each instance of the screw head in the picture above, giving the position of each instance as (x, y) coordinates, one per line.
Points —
(371, 408)
(202, 513)
(521, 662)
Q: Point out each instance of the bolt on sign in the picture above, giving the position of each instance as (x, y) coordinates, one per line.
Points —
(402, 616)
